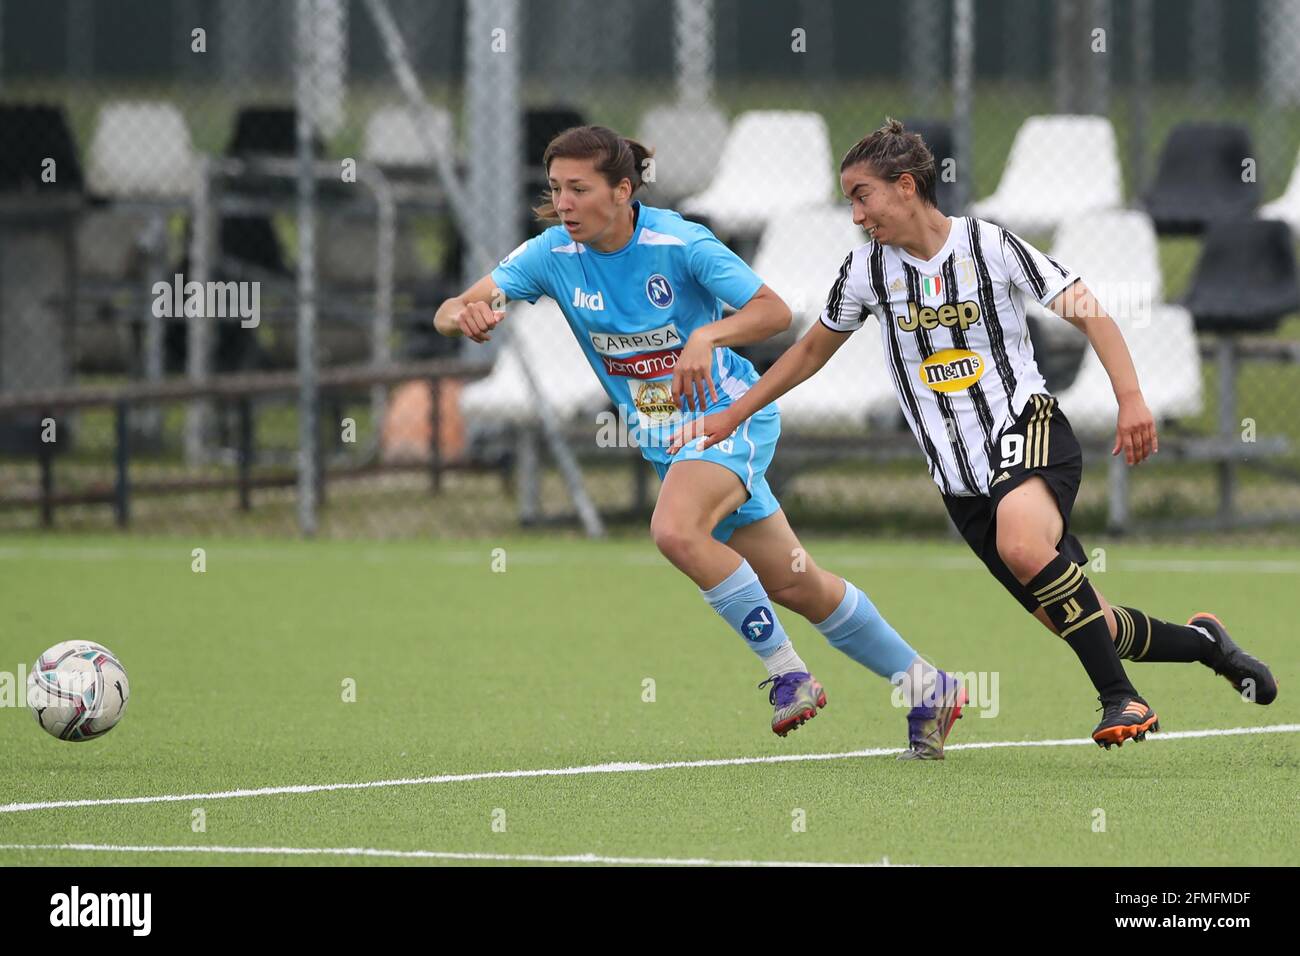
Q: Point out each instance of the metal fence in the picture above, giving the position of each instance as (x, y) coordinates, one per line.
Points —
(193, 193)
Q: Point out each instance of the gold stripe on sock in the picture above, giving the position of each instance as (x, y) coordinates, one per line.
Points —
(1087, 620)
(1147, 646)
(1125, 631)
(1057, 583)
(1075, 582)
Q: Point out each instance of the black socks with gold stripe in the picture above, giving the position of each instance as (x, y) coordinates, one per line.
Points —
(1075, 610)
(1142, 638)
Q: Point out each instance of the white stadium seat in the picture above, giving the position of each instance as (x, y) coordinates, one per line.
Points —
(774, 161)
(141, 150)
(1168, 364)
(559, 366)
(393, 140)
(687, 141)
(1116, 254)
(1059, 167)
(800, 255)
(853, 387)
(1287, 206)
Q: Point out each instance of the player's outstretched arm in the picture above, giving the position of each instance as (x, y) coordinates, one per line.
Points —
(800, 362)
(474, 313)
(1135, 432)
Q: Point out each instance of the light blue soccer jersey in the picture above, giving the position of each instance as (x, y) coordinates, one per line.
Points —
(633, 310)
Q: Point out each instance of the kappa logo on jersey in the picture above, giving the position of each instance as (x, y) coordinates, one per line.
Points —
(595, 301)
(962, 315)
(757, 626)
(659, 291)
(951, 370)
(629, 343)
(645, 365)
(654, 402)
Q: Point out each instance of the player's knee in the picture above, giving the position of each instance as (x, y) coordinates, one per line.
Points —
(676, 540)
(1024, 556)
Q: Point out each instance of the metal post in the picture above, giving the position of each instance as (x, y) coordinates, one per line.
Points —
(693, 44)
(963, 99)
(381, 343)
(923, 26)
(46, 457)
(198, 326)
(1141, 98)
(1117, 518)
(1099, 63)
(435, 440)
(1226, 349)
(308, 478)
(245, 453)
(122, 488)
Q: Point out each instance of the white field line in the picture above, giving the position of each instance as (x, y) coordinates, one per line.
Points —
(597, 555)
(423, 855)
(625, 767)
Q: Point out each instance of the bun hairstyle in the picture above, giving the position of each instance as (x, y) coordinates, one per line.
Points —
(891, 151)
(617, 158)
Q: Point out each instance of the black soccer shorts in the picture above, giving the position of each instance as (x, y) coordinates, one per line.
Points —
(1040, 442)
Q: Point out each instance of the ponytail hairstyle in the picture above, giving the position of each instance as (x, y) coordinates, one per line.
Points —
(617, 158)
(891, 151)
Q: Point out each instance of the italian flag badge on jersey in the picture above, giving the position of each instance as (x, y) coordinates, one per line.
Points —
(931, 285)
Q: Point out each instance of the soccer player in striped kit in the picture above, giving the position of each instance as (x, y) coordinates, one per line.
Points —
(642, 290)
(947, 294)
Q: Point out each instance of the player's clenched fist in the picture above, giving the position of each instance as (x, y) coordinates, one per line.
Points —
(477, 320)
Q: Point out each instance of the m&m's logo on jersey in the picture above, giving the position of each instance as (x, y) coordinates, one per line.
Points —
(951, 370)
(659, 291)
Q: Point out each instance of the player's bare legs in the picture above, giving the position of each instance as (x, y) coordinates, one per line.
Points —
(851, 624)
(1029, 527)
(694, 498)
(789, 574)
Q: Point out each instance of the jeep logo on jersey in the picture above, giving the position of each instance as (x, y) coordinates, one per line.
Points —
(963, 314)
(757, 626)
(588, 300)
(951, 370)
(658, 290)
(629, 343)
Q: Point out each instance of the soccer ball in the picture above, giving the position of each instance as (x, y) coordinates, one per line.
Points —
(77, 690)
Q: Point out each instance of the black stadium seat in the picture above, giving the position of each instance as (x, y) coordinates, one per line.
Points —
(1199, 179)
(1245, 280)
(938, 136)
(32, 134)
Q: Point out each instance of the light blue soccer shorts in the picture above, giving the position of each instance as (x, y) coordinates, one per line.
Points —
(747, 452)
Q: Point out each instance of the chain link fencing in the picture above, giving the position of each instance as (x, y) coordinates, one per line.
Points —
(225, 227)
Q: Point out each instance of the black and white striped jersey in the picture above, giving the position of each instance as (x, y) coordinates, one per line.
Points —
(955, 337)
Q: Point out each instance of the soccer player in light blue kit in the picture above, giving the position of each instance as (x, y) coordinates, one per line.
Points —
(642, 290)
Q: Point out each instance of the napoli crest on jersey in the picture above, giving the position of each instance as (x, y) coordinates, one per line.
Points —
(757, 626)
(659, 291)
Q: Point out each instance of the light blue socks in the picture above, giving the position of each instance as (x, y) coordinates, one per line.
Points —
(857, 629)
